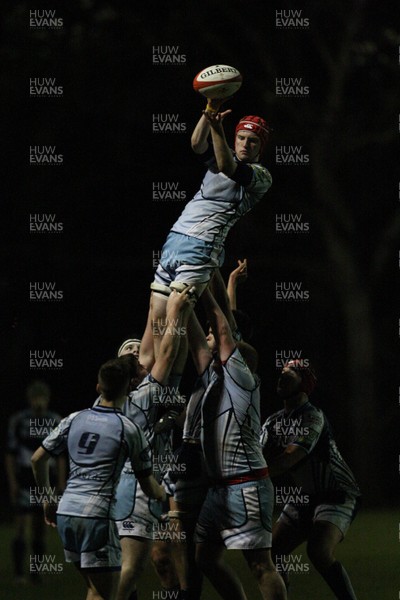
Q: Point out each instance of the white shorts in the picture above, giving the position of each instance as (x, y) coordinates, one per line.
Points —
(340, 515)
(92, 543)
(239, 516)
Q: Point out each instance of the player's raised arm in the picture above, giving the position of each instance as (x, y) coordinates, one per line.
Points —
(223, 154)
(174, 328)
(199, 349)
(199, 139)
(219, 325)
(237, 276)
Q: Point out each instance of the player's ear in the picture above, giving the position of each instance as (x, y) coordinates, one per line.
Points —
(98, 388)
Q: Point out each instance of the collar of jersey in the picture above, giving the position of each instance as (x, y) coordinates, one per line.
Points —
(106, 409)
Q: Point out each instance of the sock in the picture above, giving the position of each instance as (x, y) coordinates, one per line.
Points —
(339, 582)
(18, 548)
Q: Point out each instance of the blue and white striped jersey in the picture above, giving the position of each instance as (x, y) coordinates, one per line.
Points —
(230, 432)
(323, 469)
(98, 440)
(221, 201)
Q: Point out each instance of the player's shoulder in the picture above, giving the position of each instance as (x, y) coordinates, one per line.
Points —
(312, 413)
(261, 171)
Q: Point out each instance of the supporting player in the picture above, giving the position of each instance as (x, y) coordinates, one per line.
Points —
(233, 184)
(298, 441)
(237, 512)
(98, 441)
(26, 430)
(138, 519)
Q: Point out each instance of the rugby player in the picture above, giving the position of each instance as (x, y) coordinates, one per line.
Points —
(26, 430)
(98, 441)
(138, 520)
(237, 512)
(298, 440)
(233, 184)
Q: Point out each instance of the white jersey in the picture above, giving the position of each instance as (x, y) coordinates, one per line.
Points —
(98, 440)
(222, 200)
(231, 421)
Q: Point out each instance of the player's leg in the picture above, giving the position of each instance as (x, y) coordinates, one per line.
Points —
(18, 544)
(209, 557)
(286, 537)
(184, 517)
(162, 560)
(263, 569)
(135, 554)
(100, 585)
(323, 539)
(38, 539)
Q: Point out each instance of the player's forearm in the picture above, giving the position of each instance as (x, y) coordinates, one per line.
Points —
(223, 154)
(218, 321)
(151, 488)
(200, 136)
(40, 467)
(231, 292)
(221, 296)
(282, 463)
(146, 352)
(198, 344)
(61, 473)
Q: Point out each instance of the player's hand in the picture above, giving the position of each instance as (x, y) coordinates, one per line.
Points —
(215, 118)
(181, 301)
(50, 514)
(239, 275)
(214, 104)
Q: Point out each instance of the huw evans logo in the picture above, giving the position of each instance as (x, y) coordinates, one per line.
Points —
(291, 155)
(168, 55)
(168, 191)
(290, 291)
(45, 87)
(168, 123)
(45, 19)
(44, 564)
(44, 291)
(283, 356)
(44, 155)
(291, 223)
(291, 19)
(291, 87)
(44, 223)
(44, 359)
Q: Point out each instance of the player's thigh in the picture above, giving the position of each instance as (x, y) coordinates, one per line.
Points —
(100, 585)
(259, 558)
(287, 537)
(135, 552)
(209, 554)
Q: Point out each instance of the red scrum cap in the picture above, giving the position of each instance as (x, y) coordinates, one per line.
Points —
(307, 374)
(256, 124)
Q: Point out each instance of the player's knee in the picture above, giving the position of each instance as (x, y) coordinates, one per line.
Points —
(161, 559)
(321, 555)
(260, 569)
(130, 571)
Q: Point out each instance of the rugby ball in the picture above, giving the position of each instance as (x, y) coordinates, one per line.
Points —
(218, 81)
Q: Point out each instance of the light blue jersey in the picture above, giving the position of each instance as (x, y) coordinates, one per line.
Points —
(98, 440)
(192, 426)
(220, 202)
(231, 421)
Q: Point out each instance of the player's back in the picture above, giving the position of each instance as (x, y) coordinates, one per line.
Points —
(98, 441)
(231, 422)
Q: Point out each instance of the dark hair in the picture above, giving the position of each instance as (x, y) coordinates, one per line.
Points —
(113, 379)
(131, 362)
